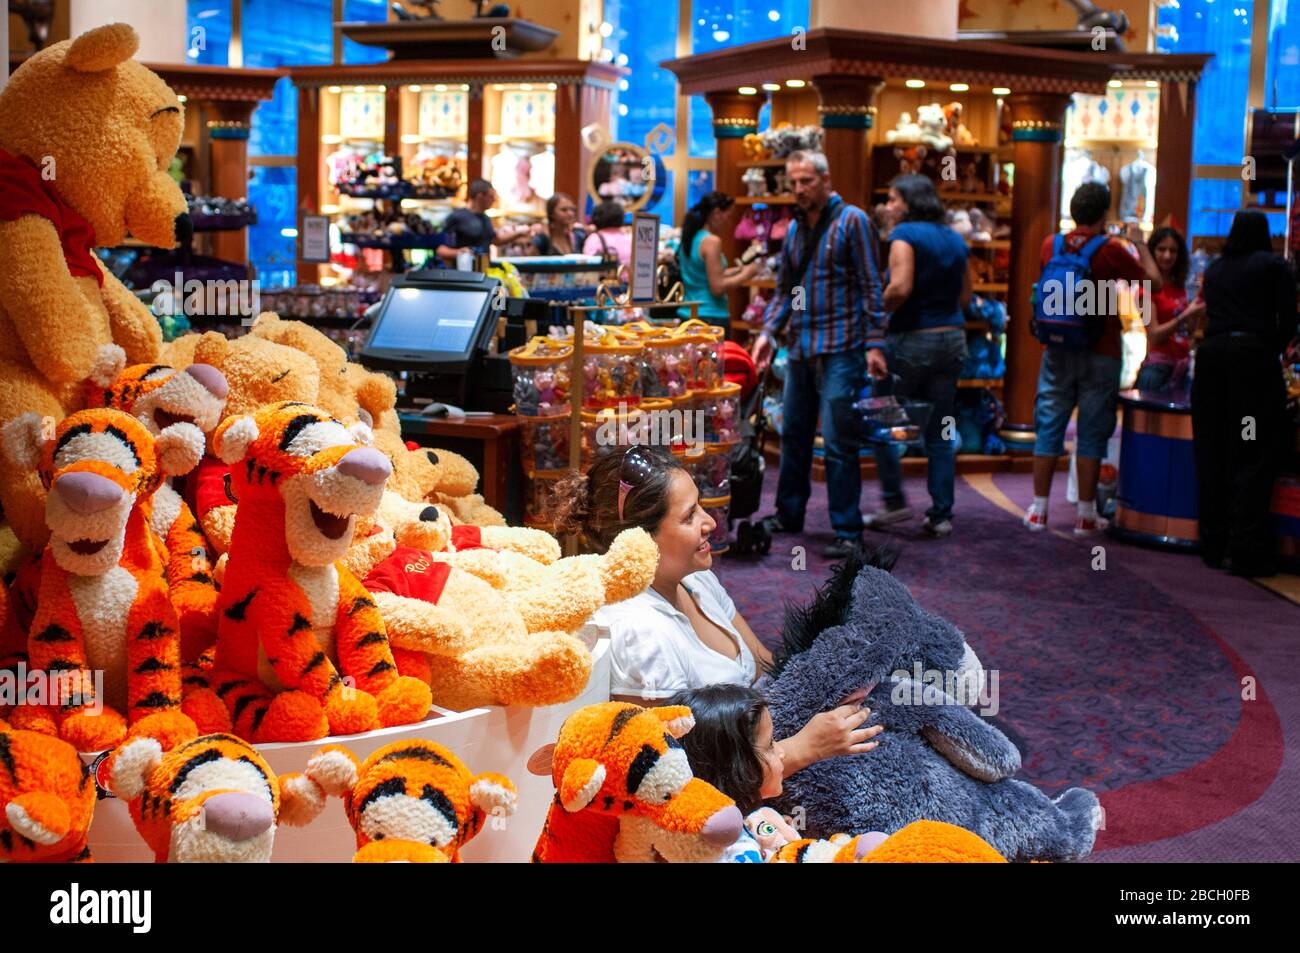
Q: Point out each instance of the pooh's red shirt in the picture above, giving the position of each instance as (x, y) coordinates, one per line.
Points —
(23, 191)
(411, 573)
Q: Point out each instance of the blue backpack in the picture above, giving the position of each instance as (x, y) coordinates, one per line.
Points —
(1057, 321)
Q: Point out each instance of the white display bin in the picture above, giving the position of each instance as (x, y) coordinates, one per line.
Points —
(486, 739)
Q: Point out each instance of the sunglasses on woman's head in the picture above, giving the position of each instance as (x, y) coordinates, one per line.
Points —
(636, 468)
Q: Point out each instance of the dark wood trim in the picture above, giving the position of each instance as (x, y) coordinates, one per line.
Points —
(835, 50)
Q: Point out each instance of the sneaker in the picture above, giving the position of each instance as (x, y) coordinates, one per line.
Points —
(1035, 520)
(841, 548)
(775, 524)
(887, 516)
(1090, 527)
(936, 528)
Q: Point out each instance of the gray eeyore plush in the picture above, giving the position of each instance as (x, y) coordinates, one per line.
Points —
(936, 758)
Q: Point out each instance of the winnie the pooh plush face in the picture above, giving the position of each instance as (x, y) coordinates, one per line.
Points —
(103, 129)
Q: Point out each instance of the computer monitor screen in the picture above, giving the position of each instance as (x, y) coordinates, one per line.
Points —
(429, 319)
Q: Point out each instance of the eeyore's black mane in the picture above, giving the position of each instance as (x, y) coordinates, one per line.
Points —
(830, 605)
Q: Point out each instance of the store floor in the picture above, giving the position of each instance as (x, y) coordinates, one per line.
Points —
(1171, 690)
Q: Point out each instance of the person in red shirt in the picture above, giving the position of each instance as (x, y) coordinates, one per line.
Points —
(1169, 333)
(1086, 378)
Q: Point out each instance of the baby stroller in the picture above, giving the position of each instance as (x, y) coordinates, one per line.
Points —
(747, 463)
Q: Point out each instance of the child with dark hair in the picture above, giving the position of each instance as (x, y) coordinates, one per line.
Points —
(732, 748)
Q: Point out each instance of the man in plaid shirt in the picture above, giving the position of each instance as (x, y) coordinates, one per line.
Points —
(828, 306)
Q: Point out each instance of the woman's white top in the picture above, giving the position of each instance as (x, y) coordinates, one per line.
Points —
(654, 651)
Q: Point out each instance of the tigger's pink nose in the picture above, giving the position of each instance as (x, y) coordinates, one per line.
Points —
(367, 465)
(237, 816)
(213, 381)
(87, 493)
(723, 827)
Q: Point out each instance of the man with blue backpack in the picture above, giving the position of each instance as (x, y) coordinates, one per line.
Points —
(1076, 317)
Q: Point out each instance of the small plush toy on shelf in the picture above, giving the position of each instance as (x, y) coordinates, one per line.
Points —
(208, 799)
(625, 792)
(412, 801)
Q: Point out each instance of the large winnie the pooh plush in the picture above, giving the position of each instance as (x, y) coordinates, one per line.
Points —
(86, 136)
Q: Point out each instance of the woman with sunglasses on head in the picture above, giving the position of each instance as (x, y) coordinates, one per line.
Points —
(684, 631)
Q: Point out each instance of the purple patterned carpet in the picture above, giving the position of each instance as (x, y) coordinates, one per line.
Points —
(1127, 680)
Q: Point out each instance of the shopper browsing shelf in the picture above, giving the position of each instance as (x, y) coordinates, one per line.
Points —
(471, 227)
(684, 631)
(1238, 399)
(1085, 377)
(1173, 321)
(561, 235)
(829, 309)
(706, 278)
(610, 237)
(929, 286)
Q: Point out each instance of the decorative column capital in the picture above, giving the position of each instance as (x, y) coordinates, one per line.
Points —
(845, 102)
(1038, 117)
(735, 115)
(228, 129)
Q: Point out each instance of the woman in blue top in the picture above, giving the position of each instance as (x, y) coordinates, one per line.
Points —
(705, 275)
(929, 286)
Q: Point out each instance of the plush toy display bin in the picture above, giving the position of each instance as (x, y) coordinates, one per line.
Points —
(486, 739)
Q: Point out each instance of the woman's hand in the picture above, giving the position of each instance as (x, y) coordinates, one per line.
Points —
(831, 734)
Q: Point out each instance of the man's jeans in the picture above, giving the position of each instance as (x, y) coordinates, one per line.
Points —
(927, 365)
(828, 384)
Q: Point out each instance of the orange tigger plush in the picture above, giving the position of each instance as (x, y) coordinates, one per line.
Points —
(208, 799)
(46, 799)
(292, 620)
(411, 801)
(102, 602)
(159, 396)
(625, 792)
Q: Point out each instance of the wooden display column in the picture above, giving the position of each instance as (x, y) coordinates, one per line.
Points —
(228, 150)
(1174, 157)
(847, 110)
(735, 116)
(1036, 131)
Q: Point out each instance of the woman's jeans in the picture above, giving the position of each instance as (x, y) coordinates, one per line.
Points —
(927, 365)
(1154, 377)
(825, 385)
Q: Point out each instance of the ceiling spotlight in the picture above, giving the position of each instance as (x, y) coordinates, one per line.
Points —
(916, 84)
(771, 87)
(795, 83)
(1001, 91)
(747, 91)
(958, 87)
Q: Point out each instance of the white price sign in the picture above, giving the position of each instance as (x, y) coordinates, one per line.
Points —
(645, 256)
(316, 238)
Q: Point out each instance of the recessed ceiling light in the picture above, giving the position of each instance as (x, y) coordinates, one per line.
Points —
(958, 87)
(1152, 84)
(1001, 91)
(916, 84)
(771, 87)
(747, 91)
(335, 89)
(1114, 84)
(795, 83)
(416, 89)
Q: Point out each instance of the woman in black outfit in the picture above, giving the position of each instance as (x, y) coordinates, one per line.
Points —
(1238, 399)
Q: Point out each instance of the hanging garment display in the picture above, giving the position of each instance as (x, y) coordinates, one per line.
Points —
(1137, 182)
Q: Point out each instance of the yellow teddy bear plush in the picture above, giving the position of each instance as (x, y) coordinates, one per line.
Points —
(477, 645)
(85, 136)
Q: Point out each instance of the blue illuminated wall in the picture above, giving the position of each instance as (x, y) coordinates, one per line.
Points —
(1223, 27)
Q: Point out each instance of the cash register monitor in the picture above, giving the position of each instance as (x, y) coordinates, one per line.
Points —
(432, 324)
